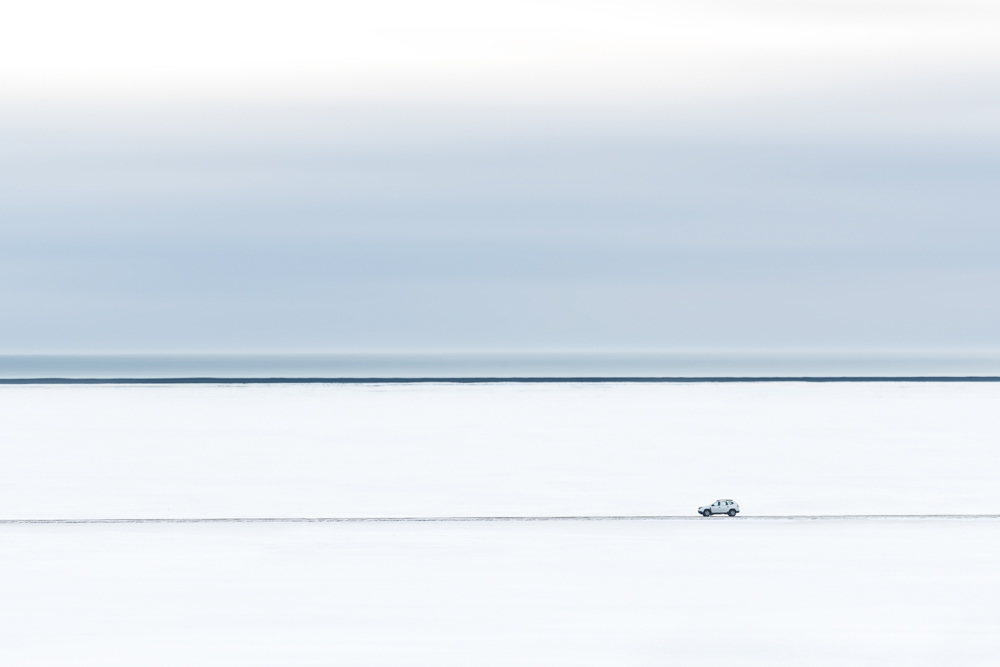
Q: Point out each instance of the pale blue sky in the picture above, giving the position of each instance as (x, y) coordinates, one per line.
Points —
(839, 206)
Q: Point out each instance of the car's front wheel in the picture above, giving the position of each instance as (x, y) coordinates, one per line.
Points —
(732, 512)
(706, 513)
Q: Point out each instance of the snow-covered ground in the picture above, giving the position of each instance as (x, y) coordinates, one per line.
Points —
(502, 449)
(708, 592)
(699, 592)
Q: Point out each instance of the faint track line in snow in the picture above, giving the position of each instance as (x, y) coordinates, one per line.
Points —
(485, 519)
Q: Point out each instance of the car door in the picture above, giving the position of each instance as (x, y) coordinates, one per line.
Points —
(717, 507)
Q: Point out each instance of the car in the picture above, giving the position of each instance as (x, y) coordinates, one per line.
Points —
(720, 507)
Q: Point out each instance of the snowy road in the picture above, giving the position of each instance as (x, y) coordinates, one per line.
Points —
(487, 519)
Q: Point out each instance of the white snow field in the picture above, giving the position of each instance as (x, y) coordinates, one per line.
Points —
(691, 592)
(707, 592)
(499, 449)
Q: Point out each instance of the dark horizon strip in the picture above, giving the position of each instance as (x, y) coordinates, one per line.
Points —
(455, 519)
(494, 380)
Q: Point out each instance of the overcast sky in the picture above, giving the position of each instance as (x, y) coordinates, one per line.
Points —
(588, 175)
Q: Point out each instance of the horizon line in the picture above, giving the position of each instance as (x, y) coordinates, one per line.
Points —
(499, 380)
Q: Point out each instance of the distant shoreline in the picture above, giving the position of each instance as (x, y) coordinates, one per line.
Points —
(491, 380)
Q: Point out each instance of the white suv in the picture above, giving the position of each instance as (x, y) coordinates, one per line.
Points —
(720, 507)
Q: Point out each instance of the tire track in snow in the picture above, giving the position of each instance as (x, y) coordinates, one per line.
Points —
(484, 519)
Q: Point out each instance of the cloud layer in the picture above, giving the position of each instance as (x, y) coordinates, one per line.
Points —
(543, 176)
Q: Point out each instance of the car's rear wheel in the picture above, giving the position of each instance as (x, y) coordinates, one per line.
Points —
(732, 512)
(706, 513)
